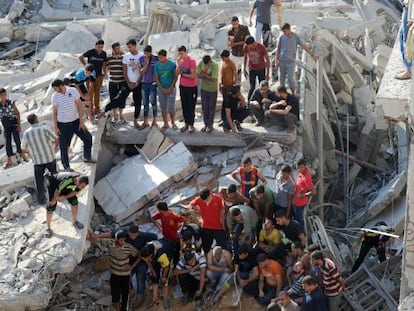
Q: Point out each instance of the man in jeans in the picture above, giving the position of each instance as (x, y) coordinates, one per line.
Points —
(207, 71)
(259, 63)
(149, 86)
(67, 120)
(263, 20)
(39, 140)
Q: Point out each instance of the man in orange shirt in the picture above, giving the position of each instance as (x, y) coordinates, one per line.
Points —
(271, 279)
(229, 76)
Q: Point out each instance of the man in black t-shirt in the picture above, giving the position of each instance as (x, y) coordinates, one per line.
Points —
(261, 100)
(97, 57)
(284, 113)
(235, 110)
(64, 187)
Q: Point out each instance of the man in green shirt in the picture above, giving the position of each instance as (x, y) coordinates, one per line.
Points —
(262, 198)
(207, 71)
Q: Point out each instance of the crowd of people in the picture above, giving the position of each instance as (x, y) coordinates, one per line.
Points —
(249, 236)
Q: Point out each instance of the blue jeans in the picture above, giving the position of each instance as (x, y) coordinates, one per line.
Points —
(140, 273)
(287, 71)
(298, 213)
(402, 38)
(149, 94)
(66, 133)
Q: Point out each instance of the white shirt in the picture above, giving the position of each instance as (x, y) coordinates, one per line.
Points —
(66, 105)
(132, 62)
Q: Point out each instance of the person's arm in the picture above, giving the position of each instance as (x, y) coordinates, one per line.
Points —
(261, 285)
(267, 210)
(202, 281)
(17, 114)
(144, 69)
(243, 199)
(230, 122)
(236, 173)
(55, 123)
(229, 262)
(261, 177)
(192, 73)
(251, 16)
(172, 86)
(82, 125)
(96, 237)
(210, 264)
(302, 239)
(308, 50)
(358, 241)
(256, 205)
(289, 202)
(157, 224)
(157, 80)
(235, 74)
(82, 59)
(253, 276)
(246, 74)
(279, 284)
(267, 64)
(281, 112)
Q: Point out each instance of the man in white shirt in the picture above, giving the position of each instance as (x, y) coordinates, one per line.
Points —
(67, 120)
(133, 76)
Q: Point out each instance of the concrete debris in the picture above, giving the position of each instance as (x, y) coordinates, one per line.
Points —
(114, 31)
(16, 10)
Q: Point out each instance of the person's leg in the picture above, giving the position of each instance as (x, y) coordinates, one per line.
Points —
(266, 34)
(97, 85)
(365, 247)
(39, 170)
(162, 98)
(137, 98)
(221, 237)
(334, 302)
(252, 81)
(115, 291)
(380, 246)
(212, 102)
(140, 273)
(282, 73)
(113, 89)
(290, 67)
(66, 134)
(171, 106)
(298, 213)
(402, 36)
(258, 113)
(145, 89)
(205, 107)
(184, 103)
(124, 292)
(193, 102)
(261, 74)
(241, 114)
(9, 147)
(258, 33)
(153, 100)
(207, 238)
(86, 138)
(16, 138)
(291, 120)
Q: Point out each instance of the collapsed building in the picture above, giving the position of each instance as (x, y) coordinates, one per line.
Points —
(365, 131)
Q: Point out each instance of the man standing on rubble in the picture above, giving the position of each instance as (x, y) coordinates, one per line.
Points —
(97, 57)
(68, 120)
(286, 55)
(236, 36)
(248, 176)
(39, 140)
(132, 75)
(263, 20)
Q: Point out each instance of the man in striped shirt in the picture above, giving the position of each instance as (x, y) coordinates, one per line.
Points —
(67, 120)
(120, 253)
(333, 282)
(39, 140)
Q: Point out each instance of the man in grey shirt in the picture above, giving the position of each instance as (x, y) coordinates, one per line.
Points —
(263, 20)
(286, 54)
(285, 189)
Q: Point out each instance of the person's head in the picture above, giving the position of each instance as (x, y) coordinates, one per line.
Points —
(120, 237)
(190, 259)
(147, 252)
(286, 29)
(225, 55)
(116, 48)
(32, 118)
(268, 224)
(67, 82)
(58, 86)
(298, 269)
(306, 261)
(236, 214)
(82, 182)
(301, 165)
(99, 45)
(206, 59)
(317, 258)
(148, 50)
(182, 52)
(217, 252)
(281, 218)
(283, 299)
(281, 92)
(231, 190)
(297, 249)
(205, 194)
(309, 284)
(243, 251)
(133, 232)
(162, 206)
(249, 40)
(89, 68)
(235, 90)
(162, 56)
(3, 95)
(286, 170)
(235, 22)
(247, 164)
(132, 46)
(186, 236)
(264, 87)
(261, 261)
(259, 192)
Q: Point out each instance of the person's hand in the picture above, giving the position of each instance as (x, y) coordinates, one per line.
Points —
(267, 76)
(266, 100)
(57, 131)
(242, 283)
(198, 293)
(126, 267)
(131, 85)
(193, 269)
(227, 270)
(250, 23)
(19, 128)
(163, 280)
(273, 300)
(60, 198)
(86, 97)
(246, 74)
(261, 293)
(315, 57)
(82, 127)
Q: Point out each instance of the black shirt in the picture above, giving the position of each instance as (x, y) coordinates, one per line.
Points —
(292, 230)
(231, 102)
(315, 301)
(246, 265)
(259, 97)
(294, 102)
(97, 60)
(142, 239)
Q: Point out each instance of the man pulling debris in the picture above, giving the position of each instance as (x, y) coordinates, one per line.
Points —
(64, 187)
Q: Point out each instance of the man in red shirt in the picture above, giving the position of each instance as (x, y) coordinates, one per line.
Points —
(259, 63)
(210, 206)
(169, 226)
(304, 189)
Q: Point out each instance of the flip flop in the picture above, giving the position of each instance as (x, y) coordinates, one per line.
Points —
(164, 128)
(174, 127)
(143, 126)
(402, 77)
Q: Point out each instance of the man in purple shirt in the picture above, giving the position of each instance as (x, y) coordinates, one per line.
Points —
(149, 85)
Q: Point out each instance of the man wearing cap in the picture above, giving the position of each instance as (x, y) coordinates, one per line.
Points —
(119, 252)
(137, 239)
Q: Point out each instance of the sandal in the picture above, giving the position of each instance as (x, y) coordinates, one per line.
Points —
(209, 129)
(184, 128)
(191, 129)
(7, 165)
(164, 128)
(203, 129)
(143, 126)
(174, 126)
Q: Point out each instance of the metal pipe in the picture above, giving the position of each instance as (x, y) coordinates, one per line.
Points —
(319, 118)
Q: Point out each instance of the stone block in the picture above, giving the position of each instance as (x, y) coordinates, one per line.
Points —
(220, 158)
(114, 31)
(226, 180)
(220, 39)
(156, 144)
(180, 195)
(92, 293)
(208, 32)
(16, 10)
(236, 153)
(269, 171)
(195, 35)
(169, 41)
(6, 30)
(18, 208)
(261, 153)
(275, 150)
(361, 97)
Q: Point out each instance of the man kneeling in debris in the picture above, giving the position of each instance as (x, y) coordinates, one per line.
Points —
(157, 255)
(280, 114)
(235, 110)
(120, 253)
(64, 187)
(261, 100)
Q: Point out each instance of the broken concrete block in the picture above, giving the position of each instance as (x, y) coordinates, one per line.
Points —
(220, 39)
(129, 185)
(220, 158)
(275, 150)
(268, 171)
(226, 180)
(180, 195)
(56, 60)
(91, 293)
(105, 301)
(6, 30)
(114, 31)
(195, 35)
(204, 179)
(187, 24)
(18, 208)
(208, 32)
(169, 41)
(361, 98)
(16, 10)
(260, 153)
(156, 144)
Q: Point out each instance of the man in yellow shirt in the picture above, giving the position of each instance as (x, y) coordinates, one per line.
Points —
(269, 237)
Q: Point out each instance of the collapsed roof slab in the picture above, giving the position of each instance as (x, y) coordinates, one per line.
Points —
(134, 182)
(28, 261)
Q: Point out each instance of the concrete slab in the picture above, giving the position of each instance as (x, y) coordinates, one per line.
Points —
(114, 31)
(131, 184)
(156, 144)
(169, 41)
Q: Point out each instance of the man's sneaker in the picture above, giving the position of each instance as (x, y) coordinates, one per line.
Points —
(78, 225)
(48, 233)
